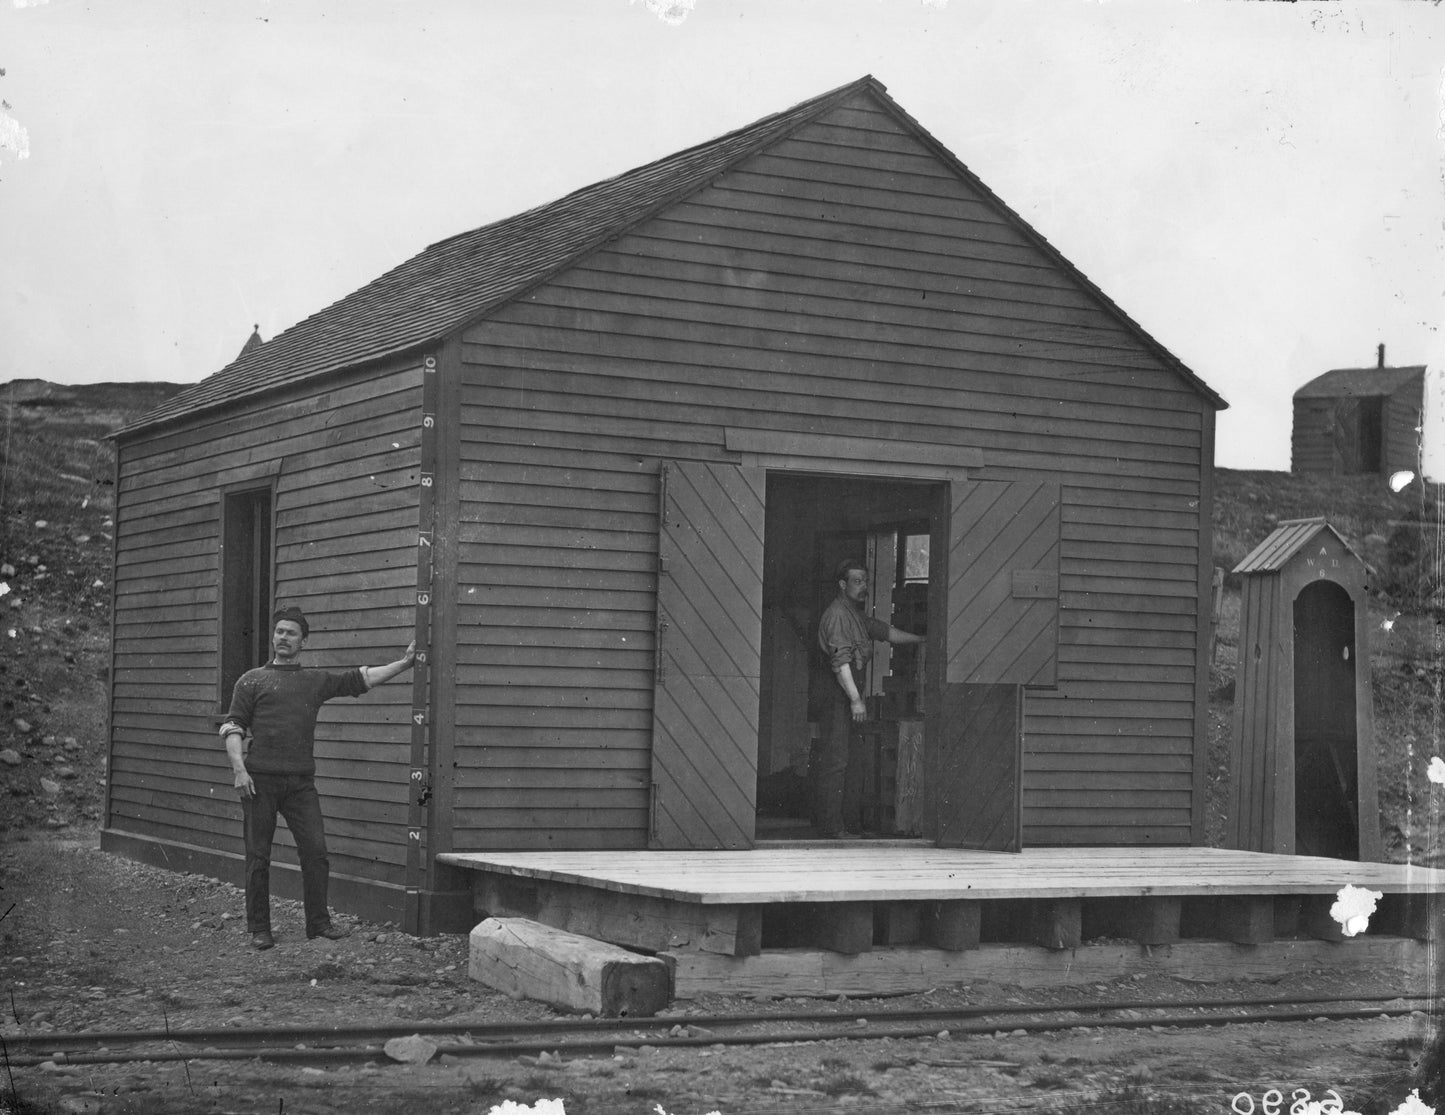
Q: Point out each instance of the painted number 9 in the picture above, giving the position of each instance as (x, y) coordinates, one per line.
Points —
(1271, 1102)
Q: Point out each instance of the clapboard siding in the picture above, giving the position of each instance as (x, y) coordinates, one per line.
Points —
(843, 277)
(844, 282)
(344, 456)
(625, 392)
(1021, 366)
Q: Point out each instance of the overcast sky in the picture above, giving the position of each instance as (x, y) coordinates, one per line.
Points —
(1259, 185)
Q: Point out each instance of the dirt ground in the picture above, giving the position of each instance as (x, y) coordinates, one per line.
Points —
(90, 942)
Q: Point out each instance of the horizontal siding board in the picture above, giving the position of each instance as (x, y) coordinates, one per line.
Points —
(752, 252)
(230, 432)
(1043, 836)
(888, 195)
(502, 716)
(388, 424)
(508, 613)
(515, 465)
(370, 762)
(505, 656)
(382, 512)
(505, 799)
(939, 322)
(598, 503)
(608, 559)
(1156, 466)
(1098, 734)
(541, 753)
(480, 820)
(554, 699)
(1105, 763)
(855, 340)
(778, 275)
(979, 261)
(545, 380)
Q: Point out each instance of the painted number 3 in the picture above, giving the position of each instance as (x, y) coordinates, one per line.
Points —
(1272, 1103)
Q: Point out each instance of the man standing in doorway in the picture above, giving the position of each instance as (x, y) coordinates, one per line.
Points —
(846, 635)
(278, 704)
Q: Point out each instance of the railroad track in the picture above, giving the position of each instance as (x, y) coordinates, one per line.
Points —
(592, 1037)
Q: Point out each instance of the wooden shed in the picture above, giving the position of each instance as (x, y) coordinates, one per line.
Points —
(1303, 752)
(1354, 421)
(603, 457)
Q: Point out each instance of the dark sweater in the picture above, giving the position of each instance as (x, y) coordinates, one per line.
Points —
(279, 705)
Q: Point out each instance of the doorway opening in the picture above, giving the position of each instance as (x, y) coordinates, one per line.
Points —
(1326, 774)
(813, 523)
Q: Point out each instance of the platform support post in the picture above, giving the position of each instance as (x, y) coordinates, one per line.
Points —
(1150, 919)
(1246, 919)
(1406, 914)
(896, 923)
(845, 927)
(950, 924)
(1315, 918)
(1055, 923)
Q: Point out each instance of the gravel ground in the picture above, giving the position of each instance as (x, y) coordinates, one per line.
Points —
(90, 942)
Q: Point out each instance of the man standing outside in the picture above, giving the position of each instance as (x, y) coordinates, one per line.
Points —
(846, 635)
(278, 704)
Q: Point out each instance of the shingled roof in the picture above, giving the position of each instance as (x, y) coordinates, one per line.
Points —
(459, 280)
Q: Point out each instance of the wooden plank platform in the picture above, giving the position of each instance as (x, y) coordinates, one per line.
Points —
(897, 871)
(880, 916)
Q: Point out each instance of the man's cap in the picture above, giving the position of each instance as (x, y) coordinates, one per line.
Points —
(848, 564)
(295, 615)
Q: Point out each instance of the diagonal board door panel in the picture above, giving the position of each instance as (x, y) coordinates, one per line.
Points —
(709, 656)
(1003, 583)
(1001, 570)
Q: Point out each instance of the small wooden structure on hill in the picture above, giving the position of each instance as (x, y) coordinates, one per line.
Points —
(1351, 421)
(603, 458)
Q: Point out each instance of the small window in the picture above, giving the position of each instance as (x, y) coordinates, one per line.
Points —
(245, 585)
(915, 559)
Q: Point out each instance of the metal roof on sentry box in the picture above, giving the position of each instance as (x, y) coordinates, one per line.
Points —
(1286, 540)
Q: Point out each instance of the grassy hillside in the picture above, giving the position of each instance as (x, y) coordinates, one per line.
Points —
(56, 503)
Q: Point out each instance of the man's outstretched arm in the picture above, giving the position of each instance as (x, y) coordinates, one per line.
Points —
(375, 675)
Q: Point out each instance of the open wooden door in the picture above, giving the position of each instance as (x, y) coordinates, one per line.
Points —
(709, 656)
(1000, 578)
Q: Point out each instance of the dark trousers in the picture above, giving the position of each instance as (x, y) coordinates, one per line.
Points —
(294, 797)
(835, 769)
